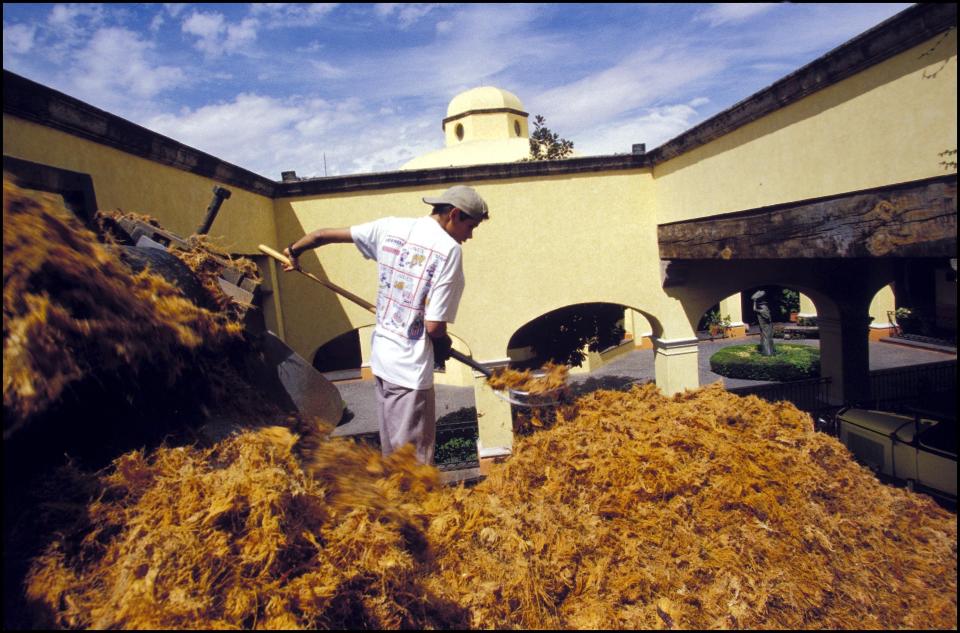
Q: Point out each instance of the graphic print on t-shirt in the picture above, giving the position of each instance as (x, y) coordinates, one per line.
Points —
(407, 271)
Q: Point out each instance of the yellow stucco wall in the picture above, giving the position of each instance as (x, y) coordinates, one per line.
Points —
(885, 125)
(177, 198)
(550, 242)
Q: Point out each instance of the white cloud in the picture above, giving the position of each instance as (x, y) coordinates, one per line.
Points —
(174, 8)
(480, 45)
(733, 12)
(394, 141)
(245, 117)
(406, 13)
(157, 22)
(206, 26)
(18, 38)
(321, 117)
(638, 81)
(68, 17)
(217, 36)
(800, 29)
(67, 27)
(327, 71)
(653, 127)
(253, 131)
(275, 15)
(113, 67)
(269, 135)
(240, 35)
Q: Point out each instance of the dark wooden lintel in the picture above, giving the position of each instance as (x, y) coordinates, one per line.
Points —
(915, 219)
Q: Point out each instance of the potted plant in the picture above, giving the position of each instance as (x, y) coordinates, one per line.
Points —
(718, 325)
(790, 304)
(906, 320)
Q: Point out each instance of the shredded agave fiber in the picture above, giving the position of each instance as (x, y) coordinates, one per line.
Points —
(704, 510)
(71, 308)
(549, 378)
(700, 510)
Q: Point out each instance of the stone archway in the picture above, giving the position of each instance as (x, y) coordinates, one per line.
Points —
(840, 249)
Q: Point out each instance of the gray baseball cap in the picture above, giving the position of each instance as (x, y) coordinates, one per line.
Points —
(465, 199)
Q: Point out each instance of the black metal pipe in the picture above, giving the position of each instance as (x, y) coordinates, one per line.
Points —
(219, 195)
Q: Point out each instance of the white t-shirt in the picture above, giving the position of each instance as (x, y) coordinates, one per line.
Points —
(421, 279)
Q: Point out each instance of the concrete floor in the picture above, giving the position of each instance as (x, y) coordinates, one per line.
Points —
(360, 399)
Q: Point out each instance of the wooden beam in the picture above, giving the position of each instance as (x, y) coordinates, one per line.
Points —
(915, 219)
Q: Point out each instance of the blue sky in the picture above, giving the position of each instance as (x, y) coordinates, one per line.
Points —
(357, 88)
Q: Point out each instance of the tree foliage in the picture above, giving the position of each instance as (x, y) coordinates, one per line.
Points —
(546, 144)
(561, 335)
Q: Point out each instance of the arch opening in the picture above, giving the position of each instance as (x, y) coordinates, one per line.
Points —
(570, 334)
(340, 355)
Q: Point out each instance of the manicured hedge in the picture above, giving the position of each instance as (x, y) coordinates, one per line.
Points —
(792, 361)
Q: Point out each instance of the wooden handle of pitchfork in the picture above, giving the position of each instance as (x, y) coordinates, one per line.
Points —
(360, 301)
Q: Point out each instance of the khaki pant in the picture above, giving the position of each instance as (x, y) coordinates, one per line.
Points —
(407, 416)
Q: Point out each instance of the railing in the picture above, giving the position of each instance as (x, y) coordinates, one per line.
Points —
(810, 395)
(899, 386)
(890, 389)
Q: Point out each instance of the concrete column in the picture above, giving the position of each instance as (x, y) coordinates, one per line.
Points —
(732, 307)
(676, 364)
(494, 419)
(845, 357)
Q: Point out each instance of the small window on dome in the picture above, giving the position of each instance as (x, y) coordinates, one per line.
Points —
(516, 127)
(459, 131)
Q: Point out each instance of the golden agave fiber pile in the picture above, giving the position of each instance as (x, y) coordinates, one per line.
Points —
(71, 308)
(634, 510)
(704, 510)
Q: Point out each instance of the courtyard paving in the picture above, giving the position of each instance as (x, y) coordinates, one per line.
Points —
(454, 403)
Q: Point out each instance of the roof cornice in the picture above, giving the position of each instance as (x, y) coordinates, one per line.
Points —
(45, 106)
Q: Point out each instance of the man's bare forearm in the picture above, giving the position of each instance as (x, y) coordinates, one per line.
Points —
(320, 237)
(312, 240)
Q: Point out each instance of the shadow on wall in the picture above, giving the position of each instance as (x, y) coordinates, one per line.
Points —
(339, 354)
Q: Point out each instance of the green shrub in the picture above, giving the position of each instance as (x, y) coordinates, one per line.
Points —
(791, 362)
(455, 449)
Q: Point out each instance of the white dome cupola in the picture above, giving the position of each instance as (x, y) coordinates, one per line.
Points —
(485, 114)
(483, 125)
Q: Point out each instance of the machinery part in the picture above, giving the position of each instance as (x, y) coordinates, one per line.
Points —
(271, 366)
(240, 287)
(75, 188)
(518, 398)
(293, 382)
(219, 195)
(169, 267)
